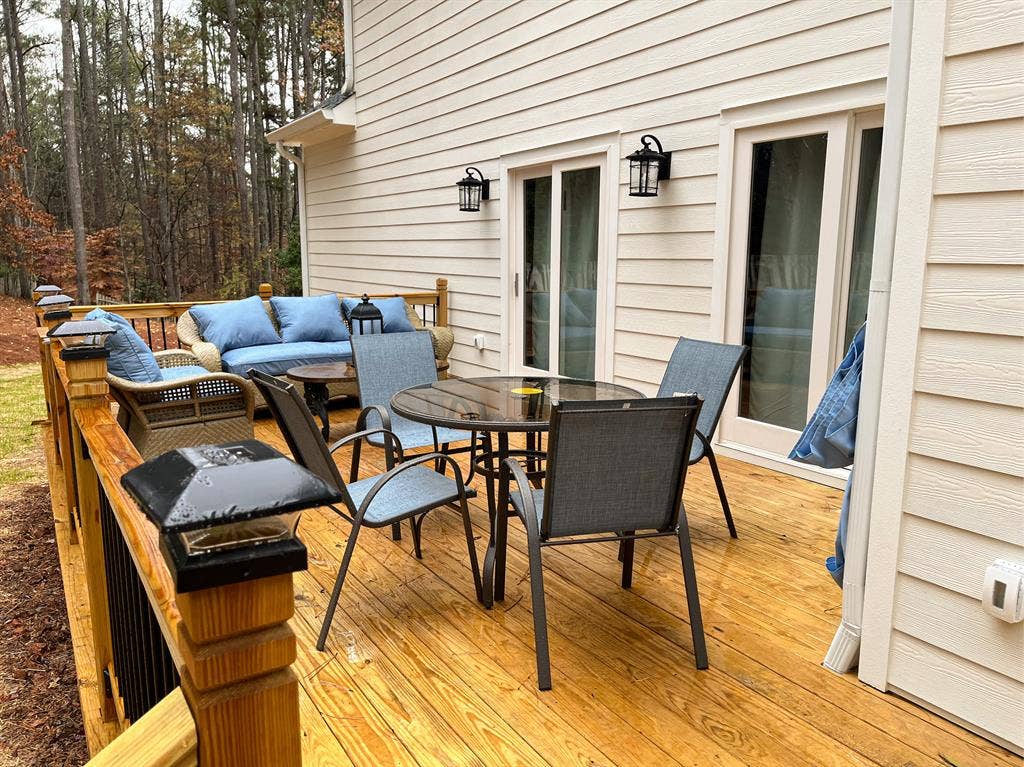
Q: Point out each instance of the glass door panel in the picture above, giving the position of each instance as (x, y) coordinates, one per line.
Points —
(536, 273)
(786, 191)
(578, 249)
(862, 248)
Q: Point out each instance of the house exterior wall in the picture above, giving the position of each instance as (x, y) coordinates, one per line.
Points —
(949, 490)
(444, 85)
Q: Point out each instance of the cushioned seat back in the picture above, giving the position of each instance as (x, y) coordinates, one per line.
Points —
(615, 466)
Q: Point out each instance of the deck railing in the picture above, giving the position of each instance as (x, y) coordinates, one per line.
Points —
(204, 675)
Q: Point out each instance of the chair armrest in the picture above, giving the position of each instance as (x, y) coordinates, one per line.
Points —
(405, 466)
(366, 433)
(176, 358)
(208, 356)
(529, 515)
(389, 451)
(441, 338)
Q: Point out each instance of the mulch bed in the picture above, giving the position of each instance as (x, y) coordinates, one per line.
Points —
(40, 717)
(18, 339)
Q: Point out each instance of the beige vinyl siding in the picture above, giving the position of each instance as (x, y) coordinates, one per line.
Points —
(443, 85)
(963, 500)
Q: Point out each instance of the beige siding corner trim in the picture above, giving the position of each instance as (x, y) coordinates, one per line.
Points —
(914, 217)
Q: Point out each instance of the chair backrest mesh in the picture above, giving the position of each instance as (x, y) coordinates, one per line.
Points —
(616, 466)
(705, 368)
(299, 429)
(386, 363)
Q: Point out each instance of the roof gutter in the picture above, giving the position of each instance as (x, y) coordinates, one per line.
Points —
(844, 653)
(300, 168)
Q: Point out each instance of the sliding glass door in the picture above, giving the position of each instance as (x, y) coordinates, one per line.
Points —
(801, 235)
(557, 232)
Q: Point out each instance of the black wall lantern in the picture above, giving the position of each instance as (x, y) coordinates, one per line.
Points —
(472, 190)
(227, 513)
(368, 316)
(647, 167)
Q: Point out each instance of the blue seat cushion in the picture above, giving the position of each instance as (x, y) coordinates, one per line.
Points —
(235, 324)
(129, 358)
(392, 309)
(278, 359)
(418, 488)
(516, 497)
(310, 318)
(185, 371)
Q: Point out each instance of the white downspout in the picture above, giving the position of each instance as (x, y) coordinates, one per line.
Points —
(349, 86)
(300, 167)
(845, 650)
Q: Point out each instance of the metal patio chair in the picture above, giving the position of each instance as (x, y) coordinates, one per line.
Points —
(385, 364)
(407, 490)
(612, 466)
(708, 369)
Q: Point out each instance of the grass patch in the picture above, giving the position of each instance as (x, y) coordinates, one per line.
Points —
(21, 403)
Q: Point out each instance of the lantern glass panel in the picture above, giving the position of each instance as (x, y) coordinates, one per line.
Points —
(250, 532)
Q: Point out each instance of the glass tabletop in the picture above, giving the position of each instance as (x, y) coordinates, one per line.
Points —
(499, 403)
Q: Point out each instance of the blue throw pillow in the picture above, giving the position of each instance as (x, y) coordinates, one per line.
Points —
(393, 310)
(310, 318)
(235, 324)
(129, 356)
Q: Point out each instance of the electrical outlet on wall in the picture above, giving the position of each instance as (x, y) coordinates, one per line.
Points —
(480, 341)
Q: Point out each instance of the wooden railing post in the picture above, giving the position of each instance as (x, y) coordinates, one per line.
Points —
(442, 301)
(238, 650)
(87, 388)
(266, 290)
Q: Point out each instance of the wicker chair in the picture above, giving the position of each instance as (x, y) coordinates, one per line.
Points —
(441, 338)
(615, 472)
(183, 412)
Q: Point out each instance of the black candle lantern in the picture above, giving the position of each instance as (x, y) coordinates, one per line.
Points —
(472, 190)
(82, 339)
(647, 167)
(366, 316)
(227, 513)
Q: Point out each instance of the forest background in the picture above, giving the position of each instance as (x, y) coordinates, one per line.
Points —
(132, 159)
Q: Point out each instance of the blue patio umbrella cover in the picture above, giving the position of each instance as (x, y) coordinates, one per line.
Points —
(830, 436)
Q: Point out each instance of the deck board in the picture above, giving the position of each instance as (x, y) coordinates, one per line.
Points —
(417, 673)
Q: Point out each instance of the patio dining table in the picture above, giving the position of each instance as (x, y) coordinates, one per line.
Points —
(500, 406)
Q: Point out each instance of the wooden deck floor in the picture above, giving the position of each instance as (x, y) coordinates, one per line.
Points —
(417, 673)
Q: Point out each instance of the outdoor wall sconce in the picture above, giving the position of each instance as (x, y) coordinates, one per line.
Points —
(472, 190)
(227, 513)
(82, 339)
(647, 167)
(366, 313)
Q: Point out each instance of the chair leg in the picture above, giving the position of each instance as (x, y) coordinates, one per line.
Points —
(626, 556)
(700, 651)
(440, 466)
(721, 491)
(396, 531)
(467, 525)
(417, 525)
(338, 583)
(540, 617)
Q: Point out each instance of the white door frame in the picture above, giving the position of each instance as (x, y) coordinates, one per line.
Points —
(578, 153)
(864, 96)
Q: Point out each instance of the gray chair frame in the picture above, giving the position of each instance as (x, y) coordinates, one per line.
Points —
(383, 412)
(714, 400)
(317, 456)
(539, 526)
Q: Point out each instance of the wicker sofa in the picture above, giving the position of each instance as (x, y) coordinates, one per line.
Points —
(209, 356)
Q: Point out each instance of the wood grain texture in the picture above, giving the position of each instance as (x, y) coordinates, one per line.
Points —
(986, 368)
(959, 686)
(980, 157)
(983, 86)
(958, 624)
(975, 25)
(983, 299)
(164, 736)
